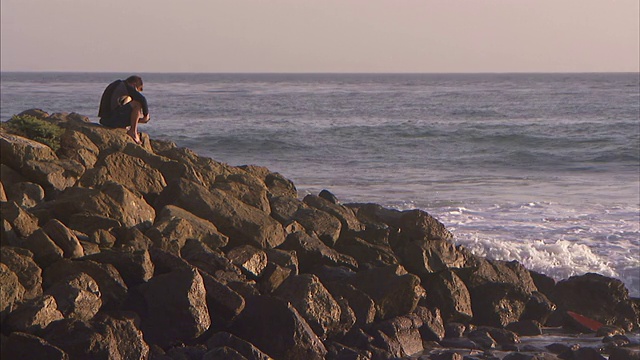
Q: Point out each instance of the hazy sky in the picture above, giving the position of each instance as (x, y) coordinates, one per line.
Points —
(320, 35)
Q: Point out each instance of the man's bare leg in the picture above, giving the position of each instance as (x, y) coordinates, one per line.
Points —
(136, 114)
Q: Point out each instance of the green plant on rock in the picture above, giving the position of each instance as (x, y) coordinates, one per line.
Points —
(35, 129)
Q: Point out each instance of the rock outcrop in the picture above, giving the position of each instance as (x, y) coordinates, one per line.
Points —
(112, 250)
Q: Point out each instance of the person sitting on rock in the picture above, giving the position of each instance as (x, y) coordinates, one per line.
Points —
(123, 106)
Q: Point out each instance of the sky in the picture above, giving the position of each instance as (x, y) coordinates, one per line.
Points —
(293, 36)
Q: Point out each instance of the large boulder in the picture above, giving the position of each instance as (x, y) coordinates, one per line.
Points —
(22, 221)
(365, 252)
(20, 261)
(112, 201)
(314, 302)
(324, 225)
(497, 304)
(45, 251)
(277, 184)
(394, 291)
(34, 315)
(176, 307)
(277, 328)
(224, 303)
(53, 175)
(77, 296)
(447, 292)
(74, 145)
(135, 267)
(17, 150)
(245, 348)
(246, 188)
(598, 297)
(21, 345)
(348, 219)
(174, 226)
(25, 194)
(423, 257)
(128, 171)
(64, 238)
(250, 259)
(11, 291)
(313, 253)
(243, 223)
(400, 336)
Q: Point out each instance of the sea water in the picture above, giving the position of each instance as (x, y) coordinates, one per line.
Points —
(538, 168)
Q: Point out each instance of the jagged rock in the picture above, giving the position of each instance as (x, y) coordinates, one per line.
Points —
(74, 145)
(211, 262)
(483, 338)
(8, 237)
(110, 283)
(112, 201)
(503, 337)
(314, 302)
(224, 303)
(394, 291)
(90, 223)
(135, 267)
(176, 307)
(538, 308)
(346, 216)
(25, 194)
(251, 260)
(449, 293)
(274, 275)
(454, 330)
(23, 222)
(16, 151)
(312, 252)
(291, 339)
(64, 238)
(327, 195)
(45, 251)
(77, 296)
(128, 171)
(362, 305)
(34, 315)
(598, 297)
(11, 291)
(103, 238)
(173, 226)
(496, 271)
(201, 169)
(110, 337)
(243, 224)
(365, 252)
(21, 345)
(244, 348)
(223, 353)
(131, 239)
(326, 226)
(497, 304)
(525, 327)
(109, 140)
(284, 258)
(419, 225)
(400, 336)
(340, 351)
(283, 208)
(246, 188)
(277, 184)
(53, 175)
(20, 261)
(423, 257)
(432, 328)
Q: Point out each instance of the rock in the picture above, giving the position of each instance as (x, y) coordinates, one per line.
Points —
(418, 225)
(20, 261)
(25, 194)
(312, 252)
(64, 238)
(34, 315)
(11, 291)
(598, 297)
(364, 252)
(326, 226)
(8, 237)
(174, 224)
(283, 208)
(587, 353)
(76, 146)
(284, 258)
(23, 222)
(454, 330)
(77, 296)
(243, 224)
(131, 239)
(290, 339)
(112, 201)
(274, 275)
(180, 314)
(251, 260)
(112, 287)
(497, 304)
(483, 338)
(135, 267)
(346, 216)
(538, 308)
(90, 223)
(21, 345)
(313, 302)
(45, 251)
(424, 257)
(129, 171)
(53, 175)
(609, 331)
(399, 336)
(449, 293)
(244, 348)
(624, 354)
(223, 353)
(212, 262)
(110, 140)
(246, 188)
(362, 305)
(17, 150)
(526, 328)
(496, 271)
(224, 303)
(394, 291)
(432, 328)
(327, 195)
(537, 356)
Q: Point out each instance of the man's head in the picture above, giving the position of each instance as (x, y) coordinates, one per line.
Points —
(135, 81)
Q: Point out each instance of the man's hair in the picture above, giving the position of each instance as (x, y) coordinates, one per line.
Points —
(134, 80)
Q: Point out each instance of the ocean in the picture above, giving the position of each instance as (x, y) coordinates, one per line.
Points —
(538, 168)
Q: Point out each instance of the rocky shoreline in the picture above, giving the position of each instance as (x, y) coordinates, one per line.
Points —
(112, 250)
